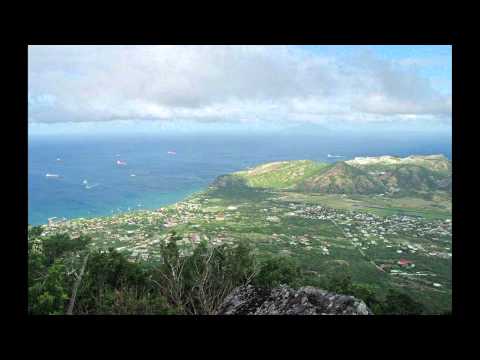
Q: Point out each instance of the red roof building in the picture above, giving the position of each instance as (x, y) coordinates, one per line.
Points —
(403, 262)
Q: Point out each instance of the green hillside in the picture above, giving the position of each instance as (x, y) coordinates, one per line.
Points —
(343, 179)
(409, 175)
(281, 175)
(414, 175)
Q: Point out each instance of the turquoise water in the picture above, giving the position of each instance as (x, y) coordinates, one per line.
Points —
(162, 178)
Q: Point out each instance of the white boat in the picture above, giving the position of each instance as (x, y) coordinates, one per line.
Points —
(171, 152)
(52, 175)
(120, 162)
(334, 156)
(133, 175)
(85, 182)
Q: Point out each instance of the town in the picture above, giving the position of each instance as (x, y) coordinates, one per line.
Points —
(411, 251)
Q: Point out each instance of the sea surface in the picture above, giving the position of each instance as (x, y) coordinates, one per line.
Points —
(91, 184)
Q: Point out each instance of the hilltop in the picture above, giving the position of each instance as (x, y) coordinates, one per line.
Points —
(363, 175)
(432, 162)
(248, 300)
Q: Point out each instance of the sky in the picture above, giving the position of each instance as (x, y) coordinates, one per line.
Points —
(120, 89)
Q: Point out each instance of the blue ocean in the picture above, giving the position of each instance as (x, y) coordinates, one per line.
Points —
(163, 169)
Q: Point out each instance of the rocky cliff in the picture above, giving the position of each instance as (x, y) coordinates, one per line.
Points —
(249, 300)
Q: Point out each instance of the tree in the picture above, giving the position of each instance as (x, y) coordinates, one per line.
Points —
(57, 245)
(34, 232)
(368, 294)
(111, 284)
(278, 270)
(340, 282)
(198, 283)
(49, 294)
(398, 303)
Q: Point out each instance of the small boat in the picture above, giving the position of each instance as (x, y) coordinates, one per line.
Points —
(58, 159)
(121, 163)
(334, 156)
(171, 152)
(84, 182)
(52, 175)
(133, 175)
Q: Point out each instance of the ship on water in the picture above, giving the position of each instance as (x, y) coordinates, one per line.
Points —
(171, 152)
(52, 175)
(121, 163)
(334, 156)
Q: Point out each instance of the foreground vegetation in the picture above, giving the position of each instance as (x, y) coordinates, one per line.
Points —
(68, 276)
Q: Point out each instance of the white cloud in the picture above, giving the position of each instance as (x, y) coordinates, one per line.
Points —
(210, 83)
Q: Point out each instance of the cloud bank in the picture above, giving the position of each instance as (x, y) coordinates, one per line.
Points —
(226, 83)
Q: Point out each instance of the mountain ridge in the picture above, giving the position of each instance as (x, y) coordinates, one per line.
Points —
(361, 175)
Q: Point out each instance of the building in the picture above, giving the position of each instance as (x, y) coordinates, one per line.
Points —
(404, 262)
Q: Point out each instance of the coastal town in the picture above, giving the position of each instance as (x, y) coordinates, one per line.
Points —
(399, 246)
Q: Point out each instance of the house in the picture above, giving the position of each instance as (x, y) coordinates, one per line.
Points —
(195, 238)
(404, 262)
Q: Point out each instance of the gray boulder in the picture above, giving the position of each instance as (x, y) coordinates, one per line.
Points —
(283, 300)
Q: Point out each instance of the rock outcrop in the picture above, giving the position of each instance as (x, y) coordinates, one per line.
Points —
(249, 300)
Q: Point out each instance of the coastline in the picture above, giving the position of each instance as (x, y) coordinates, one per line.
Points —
(147, 205)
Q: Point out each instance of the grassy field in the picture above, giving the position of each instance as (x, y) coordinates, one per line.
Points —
(382, 206)
(280, 175)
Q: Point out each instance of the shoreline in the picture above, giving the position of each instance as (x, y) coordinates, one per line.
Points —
(118, 213)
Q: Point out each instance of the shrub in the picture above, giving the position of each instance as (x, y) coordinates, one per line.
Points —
(57, 245)
(278, 270)
(107, 272)
(131, 300)
(49, 296)
(34, 232)
(198, 283)
(340, 282)
(398, 303)
(368, 294)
